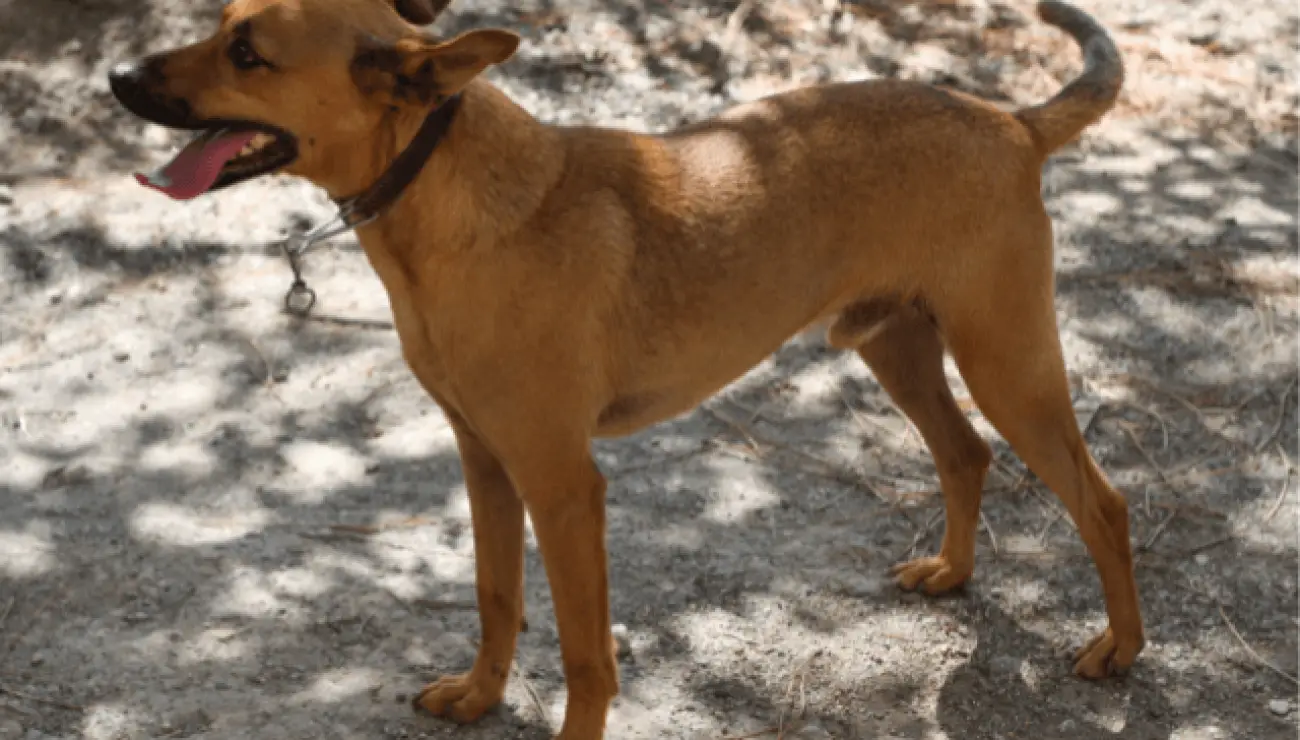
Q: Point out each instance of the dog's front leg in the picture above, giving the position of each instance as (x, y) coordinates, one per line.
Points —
(498, 518)
(565, 497)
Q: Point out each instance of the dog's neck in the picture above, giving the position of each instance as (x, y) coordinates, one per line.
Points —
(487, 175)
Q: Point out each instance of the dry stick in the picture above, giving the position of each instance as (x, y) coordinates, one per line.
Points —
(910, 552)
(347, 322)
(736, 22)
(829, 470)
(1164, 427)
(1281, 418)
(789, 686)
(738, 427)
(1159, 530)
(752, 735)
(40, 700)
(1207, 545)
(1281, 496)
(534, 697)
(1250, 650)
(1160, 472)
(993, 538)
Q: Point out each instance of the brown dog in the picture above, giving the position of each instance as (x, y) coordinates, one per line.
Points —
(551, 285)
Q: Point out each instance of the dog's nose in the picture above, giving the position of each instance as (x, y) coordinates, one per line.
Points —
(125, 76)
(125, 72)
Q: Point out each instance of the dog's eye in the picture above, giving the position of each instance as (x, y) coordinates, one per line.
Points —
(244, 56)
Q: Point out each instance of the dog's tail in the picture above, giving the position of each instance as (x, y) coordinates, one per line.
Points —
(1090, 95)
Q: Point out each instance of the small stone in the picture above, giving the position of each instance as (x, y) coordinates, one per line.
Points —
(1280, 707)
(622, 639)
(37, 659)
(1068, 726)
(6, 195)
(813, 732)
(121, 356)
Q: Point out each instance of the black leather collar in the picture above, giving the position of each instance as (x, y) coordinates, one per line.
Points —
(366, 206)
(370, 203)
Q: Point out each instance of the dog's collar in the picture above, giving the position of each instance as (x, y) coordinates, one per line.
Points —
(367, 205)
(359, 210)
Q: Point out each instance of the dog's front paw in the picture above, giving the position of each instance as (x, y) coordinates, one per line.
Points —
(934, 575)
(462, 698)
(1104, 656)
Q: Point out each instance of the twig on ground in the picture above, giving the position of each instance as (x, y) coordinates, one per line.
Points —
(5, 614)
(349, 323)
(1042, 536)
(1250, 650)
(656, 461)
(1159, 530)
(1164, 426)
(1206, 545)
(737, 426)
(534, 697)
(910, 552)
(797, 674)
(827, 469)
(1160, 471)
(268, 372)
(1281, 495)
(993, 538)
(736, 22)
(756, 733)
(1281, 418)
(40, 699)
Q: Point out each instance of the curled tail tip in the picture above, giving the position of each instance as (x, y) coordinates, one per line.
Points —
(1069, 18)
(1090, 95)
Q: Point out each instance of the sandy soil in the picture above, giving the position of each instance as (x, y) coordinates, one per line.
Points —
(220, 522)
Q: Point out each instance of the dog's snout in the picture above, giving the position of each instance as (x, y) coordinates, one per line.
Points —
(139, 85)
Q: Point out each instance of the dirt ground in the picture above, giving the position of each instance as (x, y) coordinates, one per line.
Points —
(217, 521)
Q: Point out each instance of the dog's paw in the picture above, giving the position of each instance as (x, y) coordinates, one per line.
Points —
(1103, 657)
(933, 575)
(460, 698)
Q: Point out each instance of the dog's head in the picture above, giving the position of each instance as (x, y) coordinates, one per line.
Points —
(286, 85)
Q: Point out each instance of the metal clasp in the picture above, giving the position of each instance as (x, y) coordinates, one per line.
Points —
(300, 299)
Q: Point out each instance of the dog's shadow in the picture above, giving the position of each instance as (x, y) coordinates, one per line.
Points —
(1017, 684)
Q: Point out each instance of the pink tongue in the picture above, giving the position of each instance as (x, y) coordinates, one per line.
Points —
(197, 167)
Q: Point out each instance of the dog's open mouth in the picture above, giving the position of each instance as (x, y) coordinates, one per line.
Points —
(220, 156)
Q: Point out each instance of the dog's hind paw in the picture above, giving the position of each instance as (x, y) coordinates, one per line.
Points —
(460, 698)
(1102, 657)
(934, 575)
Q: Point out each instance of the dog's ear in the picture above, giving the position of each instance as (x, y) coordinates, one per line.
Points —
(414, 72)
(420, 12)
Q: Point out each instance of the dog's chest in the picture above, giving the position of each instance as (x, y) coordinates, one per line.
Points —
(418, 336)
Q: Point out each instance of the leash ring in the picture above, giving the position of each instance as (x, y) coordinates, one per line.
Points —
(300, 299)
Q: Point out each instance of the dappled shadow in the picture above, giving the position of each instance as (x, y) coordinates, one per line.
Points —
(214, 518)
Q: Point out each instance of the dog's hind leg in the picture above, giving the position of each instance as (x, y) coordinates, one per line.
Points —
(905, 353)
(1008, 349)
